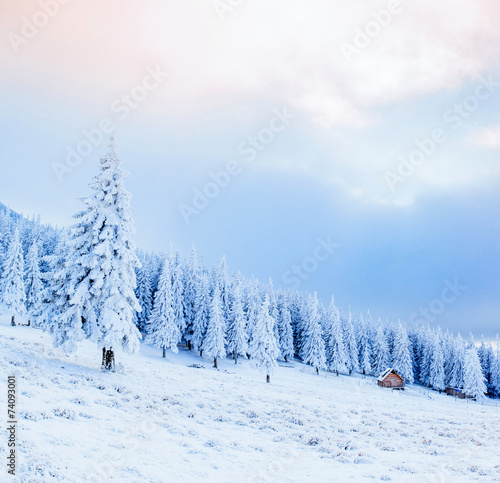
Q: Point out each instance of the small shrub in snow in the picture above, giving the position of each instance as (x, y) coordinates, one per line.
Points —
(80, 400)
(295, 420)
(65, 413)
(313, 441)
(28, 415)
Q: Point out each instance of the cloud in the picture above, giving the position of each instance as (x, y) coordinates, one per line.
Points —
(290, 51)
(264, 55)
(487, 137)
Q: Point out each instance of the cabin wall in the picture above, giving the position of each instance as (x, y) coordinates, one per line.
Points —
(392, 380)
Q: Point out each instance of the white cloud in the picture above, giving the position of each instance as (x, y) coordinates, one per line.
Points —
(487, 137)
(266, 55)
(262, 50)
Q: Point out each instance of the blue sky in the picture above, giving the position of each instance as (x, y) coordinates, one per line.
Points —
(189, 88)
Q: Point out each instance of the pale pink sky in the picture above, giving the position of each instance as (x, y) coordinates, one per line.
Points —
(93, 50)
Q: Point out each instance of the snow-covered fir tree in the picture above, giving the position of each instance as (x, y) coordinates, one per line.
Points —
(337, 358)
(12, 282)
(144, 295)
(448, 351)
(155, 267)
(214, 342)
(427, 338)
(33, 283)
(178, 295)
(456, 379)
(162, 328)
(390, 335)
(351, 345)
(102, 263)
(202, 312)
(253, 306)
(56, 293)
(474, 380)
(495, 370)
(380, 351)
(285, 331)
(237, 338)
(191, 275)
(295, 304)
(222, 279)
(4, 233)
(364, 346)
(273, 307)
(264, 348)
(313, 346)
(402, 363)
(486, 356)
(437, 376)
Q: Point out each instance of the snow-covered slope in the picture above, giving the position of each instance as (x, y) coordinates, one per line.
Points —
(158, 420)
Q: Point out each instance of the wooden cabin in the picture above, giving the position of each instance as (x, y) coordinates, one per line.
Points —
(451, 391)
(390, 378)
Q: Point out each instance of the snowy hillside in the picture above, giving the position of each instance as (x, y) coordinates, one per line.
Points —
(170, 420)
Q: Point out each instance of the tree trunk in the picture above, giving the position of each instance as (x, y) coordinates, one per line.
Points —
(164, 352)
(189, 345)
(268, 378)
(13, 321)
(236, 359)
(317, 370)
(201, 352)
(108, 359)
(215, 362)
(286, 360)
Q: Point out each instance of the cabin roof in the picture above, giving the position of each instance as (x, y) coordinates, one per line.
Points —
(386, 373)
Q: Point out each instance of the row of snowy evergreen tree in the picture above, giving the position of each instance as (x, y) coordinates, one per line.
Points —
(78, 284)
(217, 313)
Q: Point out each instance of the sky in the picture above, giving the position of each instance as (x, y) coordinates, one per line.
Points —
(345, 147)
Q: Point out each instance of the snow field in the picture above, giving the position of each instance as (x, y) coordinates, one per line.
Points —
(161, 420)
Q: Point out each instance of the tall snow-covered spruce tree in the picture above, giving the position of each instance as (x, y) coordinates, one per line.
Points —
(313, 347)
(102, 263)
(144, 294)
(264, 348)
(12, 282)
(236, 333)
(162, 328)
(474, 380)
(402, 362)
(337, 358)
(33, 283)
(214, 343)
(285, 331)
(201, 311)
